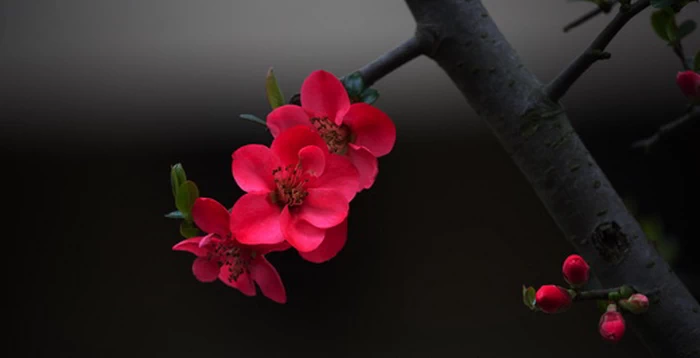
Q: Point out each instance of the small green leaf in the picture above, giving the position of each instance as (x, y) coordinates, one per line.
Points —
(177, 177)
(529, 297)
(614, 296)
(254, 119)
(175, 215)
(354, 84)
(626, 291)
(369, 95)
(602, 305)
(696, 62)
(188, 229)
(672, 31)
(660, 19)
(274, 93)
(686, 28)
(186, 196)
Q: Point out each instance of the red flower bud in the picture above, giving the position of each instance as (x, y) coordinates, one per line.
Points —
(637, 303)
(575, 270)
(612, 325)
(552, 299)
(689, 83)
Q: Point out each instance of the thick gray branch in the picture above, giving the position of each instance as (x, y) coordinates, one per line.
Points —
(593, 53)
(538, 136)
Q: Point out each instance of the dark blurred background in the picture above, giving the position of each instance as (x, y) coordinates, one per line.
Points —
(98, 99)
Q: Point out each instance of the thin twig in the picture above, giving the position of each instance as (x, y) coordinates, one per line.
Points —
(605, 7)
(595, 51)
(385, 64)
(678, 50)
(603, 294)
(390, 61)
(666, 130)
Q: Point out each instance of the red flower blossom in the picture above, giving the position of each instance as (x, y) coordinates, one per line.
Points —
(611, 325)
(575, 270)
(552, 299)
(296, 191)
(689, 83)
(220, 256)
(359, 131)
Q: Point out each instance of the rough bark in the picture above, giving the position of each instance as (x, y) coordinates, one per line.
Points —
(467, 45)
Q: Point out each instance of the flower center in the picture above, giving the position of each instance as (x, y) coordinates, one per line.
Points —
(237, 259)
(291, 182)
(336, 137)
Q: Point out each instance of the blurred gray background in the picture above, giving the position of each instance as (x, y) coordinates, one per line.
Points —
(98, 99)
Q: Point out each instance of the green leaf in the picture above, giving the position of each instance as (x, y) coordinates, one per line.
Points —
(354, 84)
(274, 93)
(177, 177)
(529, 297)
(186, 196)
(188, 229)
(602, 305)
(626, 291)
(369, 95)
(696, 62)
(175, 215)
(253, 119)
(660, 20)
(672, 31)
(686, 28)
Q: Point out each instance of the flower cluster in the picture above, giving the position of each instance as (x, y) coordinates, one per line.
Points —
(576, 271)
(297, 191)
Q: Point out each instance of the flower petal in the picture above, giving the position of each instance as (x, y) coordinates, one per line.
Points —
(243, 283)
(324, 208)
(266, 249)
(340, 175)
(371, 128)
(366, 165)
(332, 244)
(191, 245)
(290, 142)
(323, 95)
(205, 270)
(256, 220)
(211, 216)
(313, 160)
(252, 168)
(300, 234)
(265, 275)
(285, 117)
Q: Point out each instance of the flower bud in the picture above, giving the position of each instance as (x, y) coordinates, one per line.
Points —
(575, 270)
(552, 299)
(689, 83)
(637, 303)
(612, 325)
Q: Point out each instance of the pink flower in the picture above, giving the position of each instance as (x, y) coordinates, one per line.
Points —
(611, 325)
(359, 131)
(637, 303)
(296, 192)
(575, 270)
(220, 256)
(689, 83)
(552, 299)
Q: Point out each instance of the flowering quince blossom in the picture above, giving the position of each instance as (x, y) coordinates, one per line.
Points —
(297, 191)
(575, 270)
(220, 255)
(611, 325)
(552, 299)
(359, 131)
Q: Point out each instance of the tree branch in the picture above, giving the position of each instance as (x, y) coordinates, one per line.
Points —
(595, 294)
(539, 138)
(383, 65)
(595, 51)
(680, 53)
(390, 61)
(667, 129)
(605, 7)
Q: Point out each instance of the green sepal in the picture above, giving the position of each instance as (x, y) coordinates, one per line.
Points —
(354, 84)
(626, 291)
(272, 88)
(369, 96)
